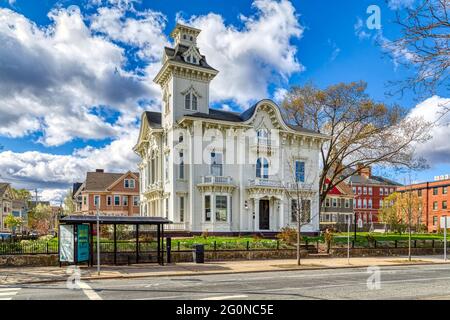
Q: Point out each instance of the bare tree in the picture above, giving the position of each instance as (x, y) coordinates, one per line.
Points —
(300, 195)
(424, 45)
(363, 132)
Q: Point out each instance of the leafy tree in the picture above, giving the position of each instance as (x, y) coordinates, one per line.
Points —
(40, 218)
(363, 132)
(69, 204)
(13, 222)
(403, 209)
(21, 194)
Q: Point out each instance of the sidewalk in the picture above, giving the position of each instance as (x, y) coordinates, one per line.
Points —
(22, 275)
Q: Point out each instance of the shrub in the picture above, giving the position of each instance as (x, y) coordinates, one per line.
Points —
(288, 235)
(46, 238)
(205, 234)
(257, 237)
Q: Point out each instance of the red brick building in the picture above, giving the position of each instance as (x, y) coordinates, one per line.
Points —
(435, 200)
(114, 193)
(369, 192)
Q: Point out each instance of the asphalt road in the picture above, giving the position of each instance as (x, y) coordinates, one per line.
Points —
(405, 282)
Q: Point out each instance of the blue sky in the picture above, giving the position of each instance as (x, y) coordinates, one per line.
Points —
(80, 72)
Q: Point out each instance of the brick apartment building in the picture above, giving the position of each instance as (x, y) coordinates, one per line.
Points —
(338, 205)
(369, 192)
(114, 193)
(435, 200)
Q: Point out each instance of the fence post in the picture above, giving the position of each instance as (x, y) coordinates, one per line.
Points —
(415, 243)
(317, 245)
(395, 243)
(248, 245)
(306, 243)
(47, 247)
(178, 245)
(432, 243)
(215, 245)
(374, 243)
(278, 244)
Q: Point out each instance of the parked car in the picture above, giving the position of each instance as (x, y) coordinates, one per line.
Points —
(33, 234)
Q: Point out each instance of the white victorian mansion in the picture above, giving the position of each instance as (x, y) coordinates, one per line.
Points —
(217, 171)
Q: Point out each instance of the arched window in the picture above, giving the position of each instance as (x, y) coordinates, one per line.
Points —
(262, 168)
(187, 101)
(180, 138)
(194, 102)
(263, 136)
(190, 101)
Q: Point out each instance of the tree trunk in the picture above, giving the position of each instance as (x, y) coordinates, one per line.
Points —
(298, 241)
(409, 240)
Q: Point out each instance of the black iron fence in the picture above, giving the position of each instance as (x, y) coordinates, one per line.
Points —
(392, 244)
(51, 247)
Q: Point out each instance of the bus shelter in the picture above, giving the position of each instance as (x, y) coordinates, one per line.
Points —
(76, 236)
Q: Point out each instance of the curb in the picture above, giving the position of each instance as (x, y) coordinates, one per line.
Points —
(184, 274)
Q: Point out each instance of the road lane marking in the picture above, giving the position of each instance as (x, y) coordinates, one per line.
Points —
(226, 297)
(8, 293)
(9, 289)
(88, 291)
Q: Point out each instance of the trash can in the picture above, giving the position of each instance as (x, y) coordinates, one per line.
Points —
(199, 253)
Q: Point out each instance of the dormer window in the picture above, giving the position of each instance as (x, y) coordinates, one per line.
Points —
(190, 101)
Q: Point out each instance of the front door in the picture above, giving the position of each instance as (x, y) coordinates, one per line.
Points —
(264, 215)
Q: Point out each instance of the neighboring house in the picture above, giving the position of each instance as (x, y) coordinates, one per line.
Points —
(369, 192)
(20, 210)
(189, 175)
(6, 199)
(112, 193)
(338, 205)
(76, 196)
(435, 199)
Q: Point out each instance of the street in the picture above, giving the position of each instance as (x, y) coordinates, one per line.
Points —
(399, 282)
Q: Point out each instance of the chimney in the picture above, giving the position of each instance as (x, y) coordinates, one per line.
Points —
(99, 170)
(365, 172)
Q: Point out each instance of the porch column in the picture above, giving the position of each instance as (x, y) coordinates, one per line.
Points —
(281, 215)
(256, 210)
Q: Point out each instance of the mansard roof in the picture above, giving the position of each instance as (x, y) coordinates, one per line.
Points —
(154, 118)
(176, 54)
(242, 117)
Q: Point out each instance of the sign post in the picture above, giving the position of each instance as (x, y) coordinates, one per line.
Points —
(348, 238)
(445, 238)
(444, 223)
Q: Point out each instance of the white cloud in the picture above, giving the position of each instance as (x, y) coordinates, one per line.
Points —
(144, 30)
(34, 169)
(53, 77)
(279, 95)
(250, 58)
(436, 150)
